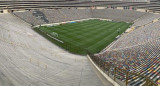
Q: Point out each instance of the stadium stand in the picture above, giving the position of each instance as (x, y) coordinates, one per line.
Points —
(40, 15)
(32, 60)
(145, 19)
(29, 17)
(29, 59)
(61, 15)
(142, 59)
(136, 52)
(138, 36)
(117, 15)
(151, 6)
(54, 15)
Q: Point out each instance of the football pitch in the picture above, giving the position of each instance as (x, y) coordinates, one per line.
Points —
(80, 37)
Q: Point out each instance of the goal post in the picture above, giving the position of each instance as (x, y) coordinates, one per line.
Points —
(54, 34)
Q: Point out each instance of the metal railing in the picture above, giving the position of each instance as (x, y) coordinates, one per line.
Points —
(121, 74)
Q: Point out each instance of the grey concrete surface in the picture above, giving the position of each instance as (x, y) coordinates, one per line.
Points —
(28, 59)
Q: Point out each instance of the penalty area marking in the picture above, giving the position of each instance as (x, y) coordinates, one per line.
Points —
(52, 37)
(55, 38)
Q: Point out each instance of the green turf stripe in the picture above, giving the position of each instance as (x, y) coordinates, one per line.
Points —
(93, 35)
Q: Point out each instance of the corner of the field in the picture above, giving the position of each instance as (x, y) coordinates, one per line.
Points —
(105, 75)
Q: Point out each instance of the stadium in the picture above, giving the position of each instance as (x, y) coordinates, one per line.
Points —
(79, 43)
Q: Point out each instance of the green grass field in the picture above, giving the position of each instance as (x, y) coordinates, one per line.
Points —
(91, 35)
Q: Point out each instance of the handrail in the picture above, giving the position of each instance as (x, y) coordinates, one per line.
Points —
(115, 71)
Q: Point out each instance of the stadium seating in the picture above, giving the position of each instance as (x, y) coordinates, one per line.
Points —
(142, 59)
(137, 51)
(152, 6)
(138, 36)
(145, 19)
(28, 17)
(29, 59)
(61, 15)
(54, 15)
(117, 15)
